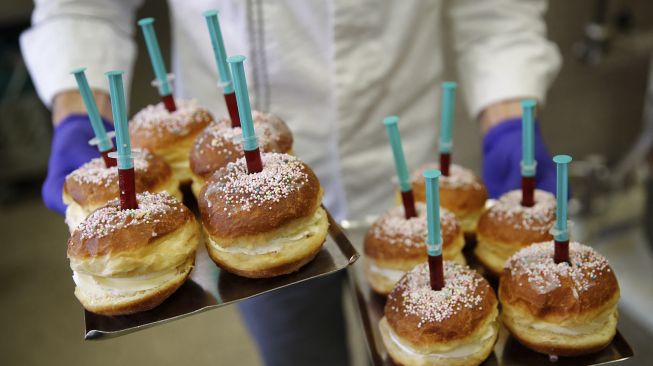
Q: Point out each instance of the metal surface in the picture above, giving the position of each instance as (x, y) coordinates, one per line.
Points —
(510, 352)
(210, 288)
(507, 351)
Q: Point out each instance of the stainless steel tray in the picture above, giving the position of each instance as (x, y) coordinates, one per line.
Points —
(210, 287)
(507, 351)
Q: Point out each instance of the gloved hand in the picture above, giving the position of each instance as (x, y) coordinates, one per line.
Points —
(70, 149)
(502, 156)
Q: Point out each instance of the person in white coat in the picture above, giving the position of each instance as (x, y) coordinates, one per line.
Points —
(332, 69)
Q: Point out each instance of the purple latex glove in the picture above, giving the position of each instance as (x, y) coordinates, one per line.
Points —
(70, 149)
(502, 156)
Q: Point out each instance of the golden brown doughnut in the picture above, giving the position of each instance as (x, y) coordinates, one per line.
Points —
(220, 144)
(93, 184)
(170, 134)
(263, 224)
(562, 309)
(507, 226)
(394, 245)
(461, 192)
(125, 261)
(454, 326)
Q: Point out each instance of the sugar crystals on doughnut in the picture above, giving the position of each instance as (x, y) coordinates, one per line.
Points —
(220, 144)
(394, 245)
(507, 226)
(567, 308)
(130, 260)
(461, 192)
(266, 223)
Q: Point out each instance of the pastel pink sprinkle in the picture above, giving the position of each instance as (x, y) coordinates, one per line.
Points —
(394, 228)
(536, 218)
(458, 176)
(157, 117)
(282, 175)
(536, 262)
(431, 306)
(110, 218)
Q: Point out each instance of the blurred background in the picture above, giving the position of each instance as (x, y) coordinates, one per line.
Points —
(600, 110)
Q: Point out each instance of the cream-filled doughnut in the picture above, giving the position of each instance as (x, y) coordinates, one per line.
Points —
(461, 192)
(263, 224)
(93, 184)
(394, 245)
(220, 144)
(507, 226)
(170, 134)
(127, 261)
(455, 326)
(564, 308)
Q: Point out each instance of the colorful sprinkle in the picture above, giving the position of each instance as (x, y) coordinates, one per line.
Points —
(157, 118)
(461, 283)
(536, 262)
(537, 218)
(282, 175)
(109, 218)
(216, 135)
(394, 228)
(458, 176)
(96, 173)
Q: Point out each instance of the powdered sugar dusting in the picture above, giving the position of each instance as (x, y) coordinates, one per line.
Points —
(458, 176)
(537, 218)
(110, 218)
(394, 228)
(218, 133)
(157, 118)
(536, 262)
(429, 305)
(282, 175)
(96, 173)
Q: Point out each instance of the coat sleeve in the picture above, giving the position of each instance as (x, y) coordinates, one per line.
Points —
(66, 34)
(502, 50)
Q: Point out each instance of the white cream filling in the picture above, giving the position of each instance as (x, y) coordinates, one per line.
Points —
(180, 164)
(181, 170)
(469, 223)
(121, 285)
(75, 214)
(461, 351)
(582, 329)
(393, 275)
(275, 245)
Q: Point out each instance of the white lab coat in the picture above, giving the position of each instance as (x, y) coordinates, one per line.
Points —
(332, 69)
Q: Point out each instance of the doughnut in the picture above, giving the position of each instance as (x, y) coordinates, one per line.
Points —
(263, 224)
(455, 326)
(93, 184)
(507, 226)
(170, 134)
(128, 261)
(461, 192)
(220, 144)
(564, 309)
(394, 245)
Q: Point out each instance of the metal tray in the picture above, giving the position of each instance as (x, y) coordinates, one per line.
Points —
(507, 351)
(209, 287)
